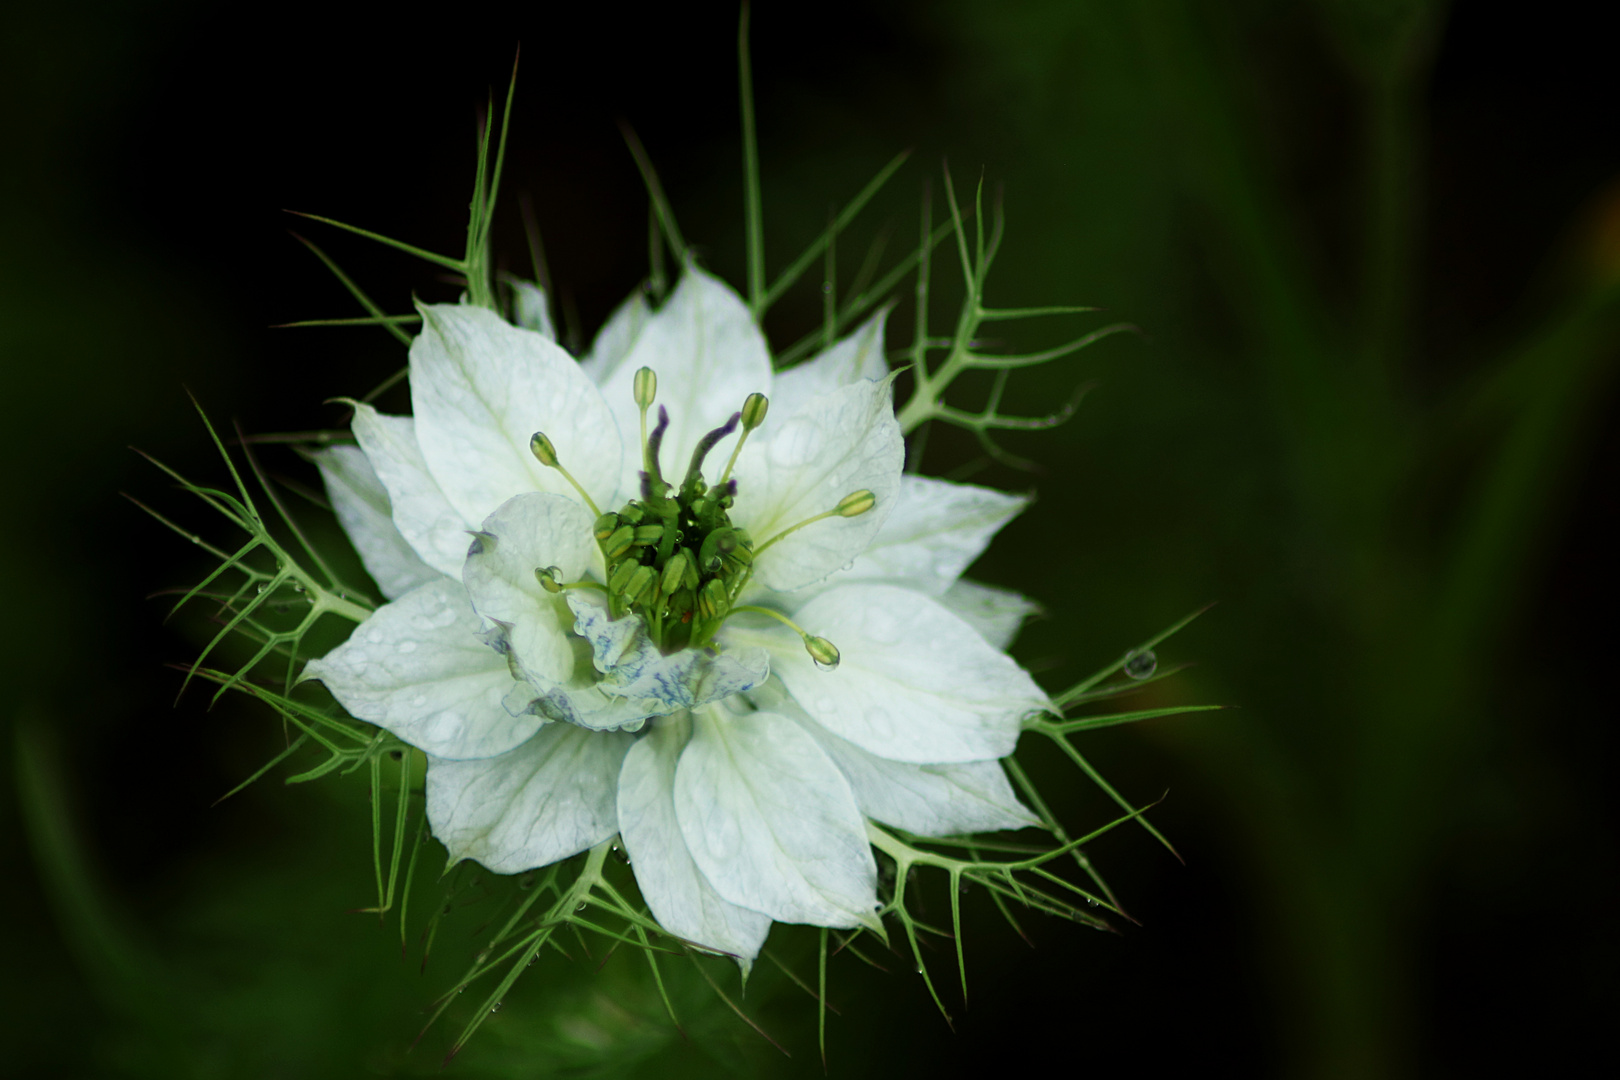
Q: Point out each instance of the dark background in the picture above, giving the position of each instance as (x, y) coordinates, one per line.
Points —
(1374, 249)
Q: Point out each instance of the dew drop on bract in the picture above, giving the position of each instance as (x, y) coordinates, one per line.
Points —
(1141, 663)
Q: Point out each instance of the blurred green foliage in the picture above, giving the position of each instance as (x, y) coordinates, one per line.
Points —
(1382, 320)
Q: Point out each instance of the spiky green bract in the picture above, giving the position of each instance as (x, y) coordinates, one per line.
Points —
(262, 590)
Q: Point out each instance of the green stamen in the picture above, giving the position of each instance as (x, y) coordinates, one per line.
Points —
(854, 504)
(546, 454)
(753, 415)
(822, 651)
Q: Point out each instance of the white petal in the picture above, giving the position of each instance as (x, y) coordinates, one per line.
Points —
(547, 799)
(837, 444)
(915, 682)
(530, 309)
(615, 340)
(936, 531)
(708, 355)
(481, 388)
(858, 356)
(361, 504)
(771, 821)
(424, 517)
(929, 800)
(681, 898)
(418, 668)
(994, 613)
(526, 533)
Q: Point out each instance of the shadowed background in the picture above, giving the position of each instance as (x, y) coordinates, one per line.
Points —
(1374, 249)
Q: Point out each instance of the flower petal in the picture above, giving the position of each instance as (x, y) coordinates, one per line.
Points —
(681, 898)
(858, 356)
(915, 682)
(424, 517)
(361, 504)
(771, 821)
(531, 310)
(526, 533)
(837, 444)
(549, 798)
(929, 800)
(481, 388)
(708, 355)
(936, 531)
(418, 668)
(995, 613)
(615, 340)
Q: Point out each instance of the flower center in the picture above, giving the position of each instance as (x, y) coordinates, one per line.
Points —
(673, 556)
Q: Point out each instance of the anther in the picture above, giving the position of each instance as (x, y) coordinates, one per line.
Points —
(646, 387)
(754, 410)
(619, 541)
(822, 651)
(856, 503)
(541, 448)
(674, 574)
(713, 600)
(640, 581)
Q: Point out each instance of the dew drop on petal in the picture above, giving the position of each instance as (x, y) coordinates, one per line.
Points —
(1141, 663)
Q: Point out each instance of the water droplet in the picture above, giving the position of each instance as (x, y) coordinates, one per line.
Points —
(964, 888)
(262, 586)
(495, 1008)
(919, 969)
(1141, 663)
(580, 906)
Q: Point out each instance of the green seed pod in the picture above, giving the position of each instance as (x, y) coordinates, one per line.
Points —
(633, 513)
(619, 542)
(547, 577)
(649, 534)
(605, 526)
(541, 448)
(856, 503)
(822, 651)
(754, 410)
(646, 386)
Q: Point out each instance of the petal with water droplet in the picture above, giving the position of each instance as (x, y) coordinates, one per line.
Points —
(915, 684)
(680, 897)
(772, 823)
(545, 800)
(444, 693)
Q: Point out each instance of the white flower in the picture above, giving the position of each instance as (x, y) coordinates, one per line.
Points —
(640, 637)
